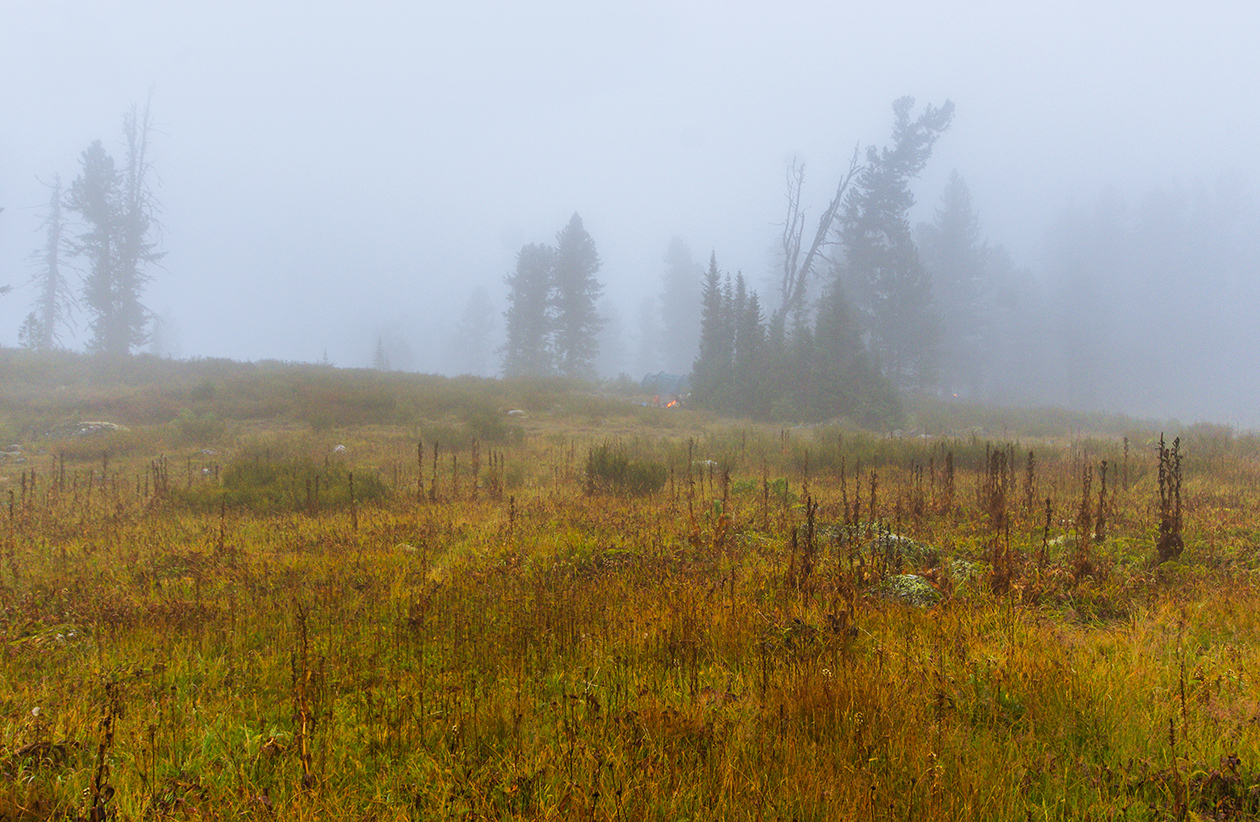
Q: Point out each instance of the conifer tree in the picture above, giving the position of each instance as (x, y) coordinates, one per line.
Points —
(574, 292)
(380, 357)
(881, 264)
(958, 259)
(474, 332)
(527, 352)
(647, 355)
(94, 197)
(712, 364)
(680, 308)
(117, 208)
(54, 299)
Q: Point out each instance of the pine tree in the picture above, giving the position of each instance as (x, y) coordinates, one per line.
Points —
(957, 260)
(680, 308)
(748, 362)
(845, 382)
(527, 352)
(473, 335)
(712, 366)
(574, 292)
(613, 354)
(881, 265)
(117, 209)
(94, 197)
(817, 371)
(54, 299)
(729, 371)
(380, 358)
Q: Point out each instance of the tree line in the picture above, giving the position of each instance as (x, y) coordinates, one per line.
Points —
(861, 308)
(822, 353)
(818, 354)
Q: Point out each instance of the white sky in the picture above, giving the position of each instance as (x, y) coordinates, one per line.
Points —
(332, 170)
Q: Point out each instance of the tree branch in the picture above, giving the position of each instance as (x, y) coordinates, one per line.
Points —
(796, 273)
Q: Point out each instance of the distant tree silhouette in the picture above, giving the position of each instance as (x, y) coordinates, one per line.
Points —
(473, 335)
(957, 261)
(552, 321)
(117, 208)
(54, 297)
(575, 291)
(679, 308)
(527, 352)
(647, 356)
(881, 263)
(380, 358)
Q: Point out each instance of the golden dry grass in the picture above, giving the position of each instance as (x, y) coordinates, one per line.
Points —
(169, 651)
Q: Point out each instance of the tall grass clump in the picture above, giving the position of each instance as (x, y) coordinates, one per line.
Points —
(610, 470)
(285, 485)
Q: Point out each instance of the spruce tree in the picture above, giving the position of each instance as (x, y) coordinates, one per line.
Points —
(474, 333)
(710, 368)
(680, 308)
(94, 197)
(957, 259)
(574, 292)
(54, 299)
(749, 340)
(117, 209)
(527, 352)
(881, 264)
(380, 357)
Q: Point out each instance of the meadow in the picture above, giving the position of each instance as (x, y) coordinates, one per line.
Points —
(293, 592)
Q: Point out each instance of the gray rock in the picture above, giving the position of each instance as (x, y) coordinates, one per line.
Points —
(909, 589)
(901, 552)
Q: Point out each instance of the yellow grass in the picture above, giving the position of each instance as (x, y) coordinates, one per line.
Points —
(171, 651)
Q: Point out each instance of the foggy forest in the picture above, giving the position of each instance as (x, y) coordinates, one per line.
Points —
(1118, 275)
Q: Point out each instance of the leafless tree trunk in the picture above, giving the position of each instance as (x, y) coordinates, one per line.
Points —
(797, 271)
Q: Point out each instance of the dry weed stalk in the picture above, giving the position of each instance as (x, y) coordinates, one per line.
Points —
(1169, 543)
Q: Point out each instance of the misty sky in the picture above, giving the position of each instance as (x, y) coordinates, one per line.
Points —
(331, 172)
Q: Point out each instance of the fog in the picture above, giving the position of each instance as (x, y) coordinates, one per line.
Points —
(337, 177)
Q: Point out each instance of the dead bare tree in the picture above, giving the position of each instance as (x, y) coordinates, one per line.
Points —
(797, 271)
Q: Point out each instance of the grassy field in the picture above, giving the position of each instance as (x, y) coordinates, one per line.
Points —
(293, 592)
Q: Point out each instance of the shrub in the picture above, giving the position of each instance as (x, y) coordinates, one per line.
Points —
(490, 426)
(610, 470)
